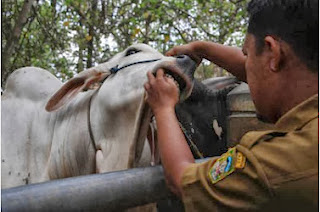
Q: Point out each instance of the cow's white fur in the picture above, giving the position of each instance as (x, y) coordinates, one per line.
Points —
(38, 145)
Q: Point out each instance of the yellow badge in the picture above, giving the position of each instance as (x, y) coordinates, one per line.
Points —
(226, 165)
(241, 161)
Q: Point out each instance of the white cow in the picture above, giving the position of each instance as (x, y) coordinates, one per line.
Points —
(96, 131)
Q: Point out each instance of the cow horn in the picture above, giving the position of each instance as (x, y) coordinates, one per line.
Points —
(73, 86)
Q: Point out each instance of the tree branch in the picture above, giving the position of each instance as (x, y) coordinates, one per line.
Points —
(14, 39)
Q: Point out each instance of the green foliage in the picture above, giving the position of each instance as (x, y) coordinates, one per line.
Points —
(67, 36)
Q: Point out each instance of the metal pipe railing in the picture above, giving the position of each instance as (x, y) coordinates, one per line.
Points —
(112, 191)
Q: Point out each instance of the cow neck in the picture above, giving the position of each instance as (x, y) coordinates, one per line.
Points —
(89, 120)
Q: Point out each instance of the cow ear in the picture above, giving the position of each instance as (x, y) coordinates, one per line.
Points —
(72, 87)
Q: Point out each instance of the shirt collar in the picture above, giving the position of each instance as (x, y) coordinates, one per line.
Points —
(298, 116)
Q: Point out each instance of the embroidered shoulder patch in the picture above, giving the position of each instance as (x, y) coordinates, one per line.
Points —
(226, 164)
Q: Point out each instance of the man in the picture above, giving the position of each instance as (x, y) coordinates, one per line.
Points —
(274, 170)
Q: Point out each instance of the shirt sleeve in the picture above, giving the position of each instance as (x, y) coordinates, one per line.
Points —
(245, 188)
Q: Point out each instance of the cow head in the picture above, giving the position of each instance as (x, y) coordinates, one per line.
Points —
(119, 115)
(181, 68)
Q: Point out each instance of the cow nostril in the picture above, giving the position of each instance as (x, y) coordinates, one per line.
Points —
(185, 60)
(181, 56)
(186, 63)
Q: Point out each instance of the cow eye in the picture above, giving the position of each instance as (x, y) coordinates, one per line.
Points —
(132, 51)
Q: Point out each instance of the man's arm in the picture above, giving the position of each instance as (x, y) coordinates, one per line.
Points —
(230, 58)
(174, 150)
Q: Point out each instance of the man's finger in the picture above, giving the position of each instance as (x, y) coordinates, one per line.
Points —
(160, 73)
(172, 82)
(147, 86)
(172, 52)
(168, 80)
(150, 76)
(169, 53)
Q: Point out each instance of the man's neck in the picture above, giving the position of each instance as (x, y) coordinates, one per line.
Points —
(300, 86)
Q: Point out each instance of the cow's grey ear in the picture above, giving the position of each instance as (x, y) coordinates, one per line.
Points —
(71, 88)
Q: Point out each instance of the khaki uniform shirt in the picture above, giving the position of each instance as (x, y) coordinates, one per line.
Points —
(267, 171)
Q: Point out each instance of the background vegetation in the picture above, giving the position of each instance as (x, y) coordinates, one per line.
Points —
(68, 36)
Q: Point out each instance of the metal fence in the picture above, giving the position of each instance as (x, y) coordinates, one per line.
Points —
(114, 191)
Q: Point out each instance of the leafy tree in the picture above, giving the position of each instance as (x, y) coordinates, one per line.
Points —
(69, 36)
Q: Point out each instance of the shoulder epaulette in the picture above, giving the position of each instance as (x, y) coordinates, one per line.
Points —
(252, 138)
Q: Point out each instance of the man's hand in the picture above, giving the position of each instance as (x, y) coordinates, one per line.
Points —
(162, 92)
(188, 49)
(230, 58)
(175, 154)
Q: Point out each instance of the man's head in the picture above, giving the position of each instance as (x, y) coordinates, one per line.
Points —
(293, 21)
(282, 54)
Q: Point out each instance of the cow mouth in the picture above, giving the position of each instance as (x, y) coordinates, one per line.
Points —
(183, 82)
(179, 81)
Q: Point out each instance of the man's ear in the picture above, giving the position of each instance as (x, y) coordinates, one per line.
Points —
(274, 51)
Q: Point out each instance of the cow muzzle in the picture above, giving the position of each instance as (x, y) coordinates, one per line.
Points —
(181, 70)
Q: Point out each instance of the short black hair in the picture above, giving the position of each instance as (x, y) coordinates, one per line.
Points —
(293, 21)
